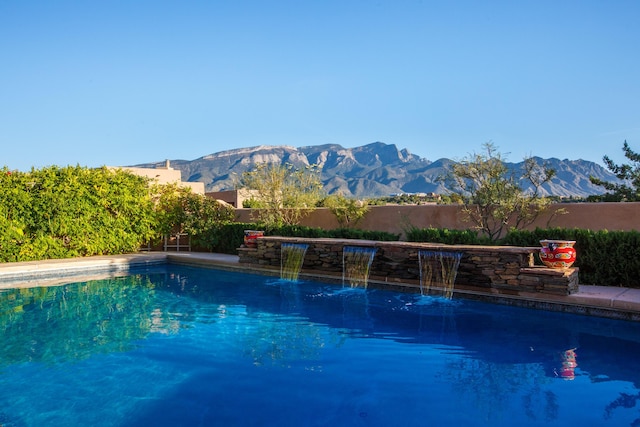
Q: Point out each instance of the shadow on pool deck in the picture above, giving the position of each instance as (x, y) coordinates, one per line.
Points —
(605, 301)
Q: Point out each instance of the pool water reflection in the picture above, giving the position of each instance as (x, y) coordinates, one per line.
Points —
(183, 346)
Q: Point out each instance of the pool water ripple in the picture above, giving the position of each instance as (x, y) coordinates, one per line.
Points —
(201, 347)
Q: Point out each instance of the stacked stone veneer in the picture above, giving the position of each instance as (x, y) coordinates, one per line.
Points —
(502, 269)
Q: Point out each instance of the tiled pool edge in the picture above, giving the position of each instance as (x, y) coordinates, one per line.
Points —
(617, 303)
(46, 272)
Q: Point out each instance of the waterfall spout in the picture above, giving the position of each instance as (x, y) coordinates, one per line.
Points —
(356, 264)
(291, 260)
(438, 272)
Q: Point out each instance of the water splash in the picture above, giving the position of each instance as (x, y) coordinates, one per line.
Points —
(291, 260)
(438, 271)
(356, 265)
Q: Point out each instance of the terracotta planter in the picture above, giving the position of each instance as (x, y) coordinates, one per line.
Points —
(558, 253)
(250, 237)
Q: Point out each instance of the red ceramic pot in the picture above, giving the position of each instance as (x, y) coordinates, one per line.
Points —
(250, 237)
(558, 253)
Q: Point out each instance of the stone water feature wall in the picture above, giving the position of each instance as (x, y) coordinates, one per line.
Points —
(499, 269)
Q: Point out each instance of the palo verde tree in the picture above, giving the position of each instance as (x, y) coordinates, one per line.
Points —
(347, 210)
(283, 194)
(629, 174)
(492, 195)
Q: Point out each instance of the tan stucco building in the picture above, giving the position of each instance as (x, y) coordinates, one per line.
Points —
(233, 197)
(165, 175)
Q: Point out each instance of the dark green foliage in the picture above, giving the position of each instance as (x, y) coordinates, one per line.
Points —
(446, 236)
(231, 235)
(615, 258)
(296, 231)
(72, 211)
(202, 219)
(351, 233)
(606, 258)
(316, 233)
(532, 238)
(179, 210)
(338, 233)
(75, 211)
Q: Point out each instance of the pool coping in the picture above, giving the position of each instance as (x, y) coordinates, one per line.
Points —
(602, 301)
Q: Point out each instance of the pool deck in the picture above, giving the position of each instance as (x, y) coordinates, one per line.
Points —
(605, 301)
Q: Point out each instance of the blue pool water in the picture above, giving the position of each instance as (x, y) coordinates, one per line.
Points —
(181, 346)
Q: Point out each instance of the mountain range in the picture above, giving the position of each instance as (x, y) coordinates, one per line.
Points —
(372, 170)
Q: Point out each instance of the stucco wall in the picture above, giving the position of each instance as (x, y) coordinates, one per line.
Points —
(395, 219)
(165, 175)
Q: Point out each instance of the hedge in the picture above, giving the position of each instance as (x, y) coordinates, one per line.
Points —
(606, 258)
(231, 236)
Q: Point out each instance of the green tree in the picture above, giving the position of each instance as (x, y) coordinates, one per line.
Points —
(284, 194)
(179, 210)
(347, 210)
(629, 174)
(493, 199)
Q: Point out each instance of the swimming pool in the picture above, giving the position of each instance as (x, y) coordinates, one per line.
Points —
(182, 346)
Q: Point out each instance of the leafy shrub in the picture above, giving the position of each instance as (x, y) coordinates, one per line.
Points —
(446, 236)
(231, 235)
(610, 258)
(606, 258)
(72, 211)
(179, 210)
(338, 233)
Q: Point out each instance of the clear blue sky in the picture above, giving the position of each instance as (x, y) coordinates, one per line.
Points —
(126, 82)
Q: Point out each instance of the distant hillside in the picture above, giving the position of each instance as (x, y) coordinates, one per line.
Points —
(372, 170)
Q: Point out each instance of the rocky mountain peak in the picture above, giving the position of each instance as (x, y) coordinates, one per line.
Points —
(371, 170)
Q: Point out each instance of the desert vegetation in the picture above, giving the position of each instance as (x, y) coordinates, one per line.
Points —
(493, 199)
(283, 194)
